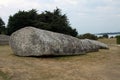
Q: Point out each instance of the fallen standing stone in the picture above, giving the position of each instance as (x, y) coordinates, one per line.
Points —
(30, 41)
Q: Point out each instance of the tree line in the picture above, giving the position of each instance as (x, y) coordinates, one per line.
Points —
(53, 21)
(2, 27)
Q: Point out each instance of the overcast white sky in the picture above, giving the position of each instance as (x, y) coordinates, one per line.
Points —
(87, 16)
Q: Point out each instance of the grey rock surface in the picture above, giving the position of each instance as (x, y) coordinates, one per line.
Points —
(31, 41)
(4, 40)
(97, 43)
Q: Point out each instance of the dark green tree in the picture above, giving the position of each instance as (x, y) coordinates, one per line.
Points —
(56, 22)
(21, 19)
(2, 26)
(52, 21)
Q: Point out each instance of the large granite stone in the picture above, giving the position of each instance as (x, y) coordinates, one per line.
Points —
(31, 41)
(4, 40)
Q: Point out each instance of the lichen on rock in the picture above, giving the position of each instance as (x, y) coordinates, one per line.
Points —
(30, 41)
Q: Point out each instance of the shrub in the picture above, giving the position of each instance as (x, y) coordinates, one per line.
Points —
(88, 36)
(100, 37)
(105, 35)
(118, 39)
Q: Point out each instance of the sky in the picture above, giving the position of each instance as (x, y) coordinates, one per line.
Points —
(87, 16)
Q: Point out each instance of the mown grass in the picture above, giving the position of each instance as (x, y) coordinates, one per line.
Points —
(102, 65)
(108, 41)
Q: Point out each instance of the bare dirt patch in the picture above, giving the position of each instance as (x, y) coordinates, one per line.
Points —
(102, 65)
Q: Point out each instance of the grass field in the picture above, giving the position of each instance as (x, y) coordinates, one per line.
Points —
(102, 65)
(111, 41)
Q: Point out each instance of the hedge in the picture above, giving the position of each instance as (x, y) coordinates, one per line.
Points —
(118, 39)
